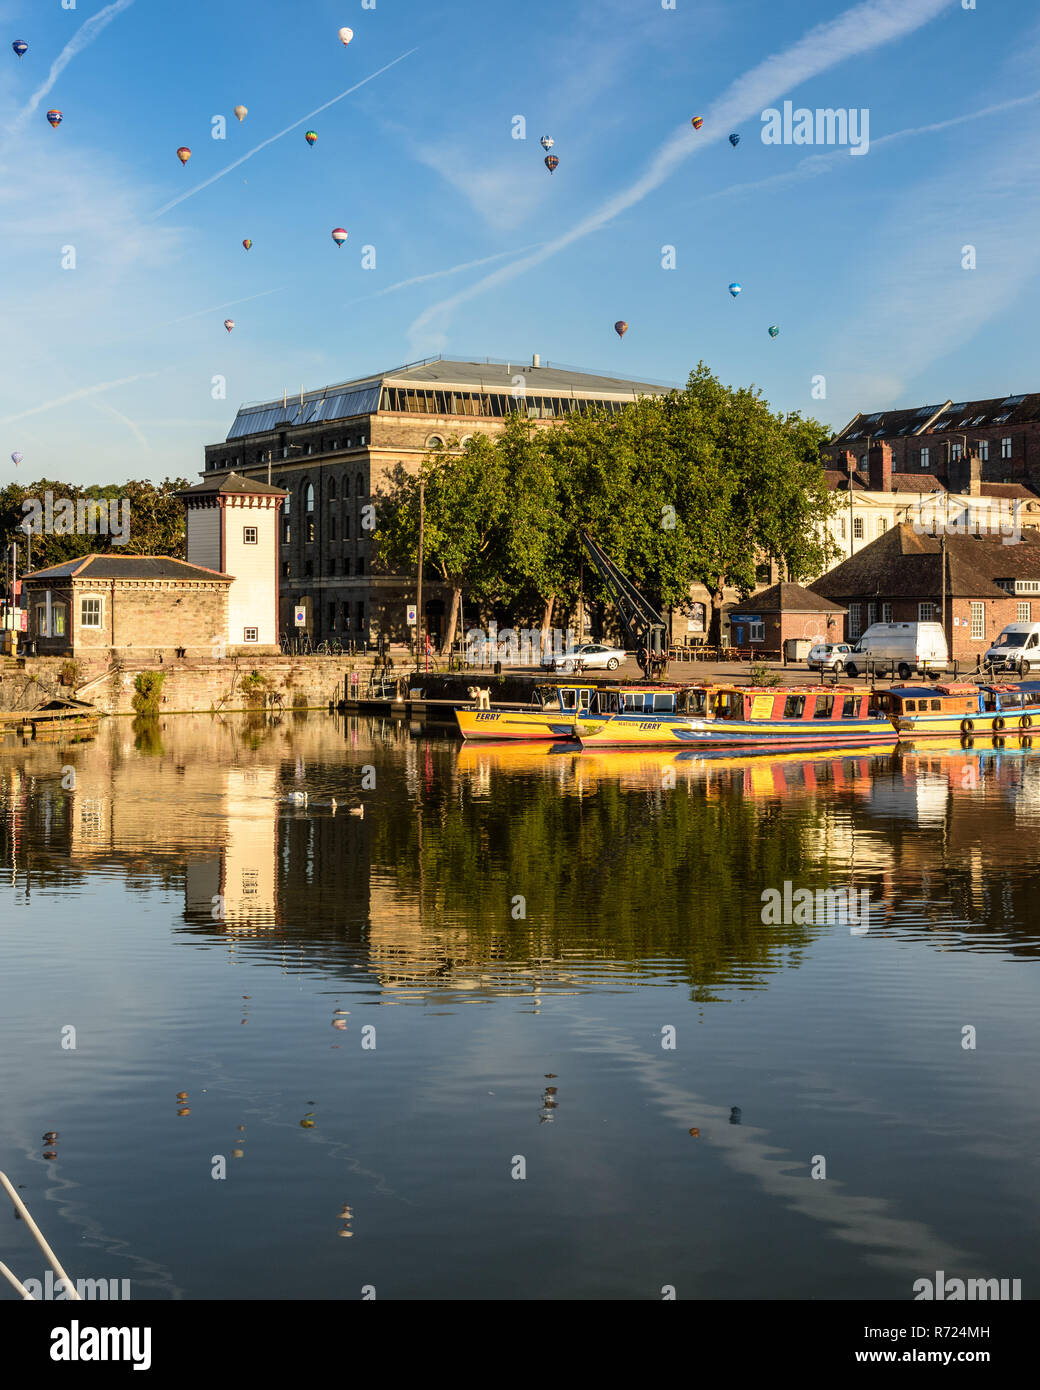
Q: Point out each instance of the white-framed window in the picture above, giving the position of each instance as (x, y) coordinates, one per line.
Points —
(855, 619)
(249, 535)
(309, 498)
(982, 449)
(251, 634)
(857, 528)
(926, 612)
(1005, 447)
(1027, 586)
(841, 527)
(956, 451)
(90, 611)
(1022, 613)
(925, 455)
(59, 620)
(42, 630)
(978, 620)
(882, 525)
(871, 614)
(886, 612)
(756, 632)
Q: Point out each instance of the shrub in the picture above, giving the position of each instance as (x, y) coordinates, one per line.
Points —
(762, 675)
(148, 686)
(70, 673)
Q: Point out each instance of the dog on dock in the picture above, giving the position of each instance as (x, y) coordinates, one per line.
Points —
(481, 694)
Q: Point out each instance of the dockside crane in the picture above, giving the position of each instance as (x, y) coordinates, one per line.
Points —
(645, 627)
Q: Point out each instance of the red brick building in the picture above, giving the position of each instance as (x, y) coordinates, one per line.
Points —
(768, 619)
(900, 578)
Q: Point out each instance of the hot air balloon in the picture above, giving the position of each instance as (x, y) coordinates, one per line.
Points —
(339, 235)
(735, 289)
(247, 243)
(345, 35)
(20, 47)
(621, 328)
(547, 142)
(241, 112)
(311, 136)
(774, 330)
(229, 324)
(551, 162)
(184, 154)
(734, 140)
(55, 118)
(697, 122)
(16, 457)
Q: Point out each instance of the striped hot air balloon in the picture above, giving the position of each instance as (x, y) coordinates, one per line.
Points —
(621, 328)
(55, 118)
(311, 136)
(339, 235)
(697, 122)
(735, 289)
(229, 324)
(551, 162)
(247, 243)
(184, 154)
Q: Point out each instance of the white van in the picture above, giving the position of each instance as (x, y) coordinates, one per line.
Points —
(904, 648)
(1016, 649)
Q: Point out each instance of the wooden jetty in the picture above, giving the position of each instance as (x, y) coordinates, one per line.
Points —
(61, 720)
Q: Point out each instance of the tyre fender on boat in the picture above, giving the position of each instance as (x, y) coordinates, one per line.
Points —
(967, 726)
(1025, 722)
(998, 724)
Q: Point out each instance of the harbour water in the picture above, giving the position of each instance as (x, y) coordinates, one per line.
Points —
(520, 1030)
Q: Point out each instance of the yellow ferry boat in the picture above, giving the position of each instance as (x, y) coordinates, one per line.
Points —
(561, 705)
(935, 711)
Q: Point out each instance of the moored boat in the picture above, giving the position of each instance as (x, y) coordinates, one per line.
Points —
(755, 716)
(952, 708)
(560, 705)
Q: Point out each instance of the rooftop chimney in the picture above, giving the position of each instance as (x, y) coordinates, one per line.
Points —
(536, 361)
(880, 465)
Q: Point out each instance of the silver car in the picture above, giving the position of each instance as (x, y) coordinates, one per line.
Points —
(593, 656)
(829, 656)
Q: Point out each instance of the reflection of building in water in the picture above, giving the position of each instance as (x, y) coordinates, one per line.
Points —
(239, 884)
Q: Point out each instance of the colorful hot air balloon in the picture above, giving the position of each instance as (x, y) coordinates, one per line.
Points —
(20, 47)
(547, 142)
(311, 136)
(55, 118)
(345, 35)
(247, 243)
(16, 456)
(735, 289)
(734, 140)
(697, 122)
(229, 324)
(774, 330)
(184, 154)
(621, 328)
(241, 112)
(551, 162)
(339, 235)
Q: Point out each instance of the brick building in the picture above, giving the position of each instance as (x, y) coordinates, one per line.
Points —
(785, 610)
(97, 605)
(900, 578)
(333, 450)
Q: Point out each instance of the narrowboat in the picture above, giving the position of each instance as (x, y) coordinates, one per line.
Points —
(738, 716)
(935, 711)
(559, 705)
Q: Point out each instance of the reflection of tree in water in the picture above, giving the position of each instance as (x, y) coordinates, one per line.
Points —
(148, 736)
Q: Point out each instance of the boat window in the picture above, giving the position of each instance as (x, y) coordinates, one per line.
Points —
(584, 698)
(1011, 701)
(1032, 698)
(989, 701)
(824, 707)
(664, 701)
(794, 706)
(884, 701)
(909, 704)
(568, 699)
(936, 704)
(851, 710)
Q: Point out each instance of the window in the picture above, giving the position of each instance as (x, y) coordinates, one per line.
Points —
(332, 567)
(346, 526)
(285, 569)
(882, 525)
(287, 502)
(956, 451)
(886, 612)
(59, 614)
(851, 710)
(90, 612)
(1027, 586)
(924, 458)
(251, 634)
(346, 567)
(756, 632)
(982, 449)
(310, 497)
(871, 614)
(332, 528)
(308, 569)
(841, 527)
(1021, 613)
(310, 529)
(1005, 447)
(42, 629)
(909, 705)
(360, 610)
(824, 707)
(794, 707)
(978, 620)
(360, 486)
(286, 532)
(249, 535)
(857, 528)
(332, 489)
(855, 619)
(435, 442)
(925, 612)
(360, 565)
(763, 573)
(936, 704)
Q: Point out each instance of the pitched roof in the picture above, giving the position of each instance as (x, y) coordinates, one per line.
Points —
(127, 567)
(904, 564)
(942, 417)
(234, 483)
(786, 597)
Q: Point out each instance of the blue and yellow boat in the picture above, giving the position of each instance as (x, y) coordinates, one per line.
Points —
(562, 705)
(937, 711)
(736, 716)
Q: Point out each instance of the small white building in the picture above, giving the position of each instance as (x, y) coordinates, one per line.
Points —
(232, 526)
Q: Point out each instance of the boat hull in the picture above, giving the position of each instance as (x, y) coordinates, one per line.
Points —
(624, 732)
(1009, 724)
(498, 725)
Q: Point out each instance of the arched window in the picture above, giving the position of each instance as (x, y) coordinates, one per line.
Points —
(466, 439)
(332, 489)
(435, 442)
(287, 503)
(310, 497)
(346, 484)
(360, 485)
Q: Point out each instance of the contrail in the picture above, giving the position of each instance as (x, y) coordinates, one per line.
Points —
(84, 36)
(77, 396)
(228, 304)
(270, 141)
(439, 274)
(858, 30)
(107, 409)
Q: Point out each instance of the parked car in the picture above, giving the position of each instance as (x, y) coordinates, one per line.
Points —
(829, 656)
(903, 648)
(594, 656)
(1016, 649)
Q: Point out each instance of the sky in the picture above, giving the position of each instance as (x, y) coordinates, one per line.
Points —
(119, 265)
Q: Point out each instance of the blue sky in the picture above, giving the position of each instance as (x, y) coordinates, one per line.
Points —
(107, 368)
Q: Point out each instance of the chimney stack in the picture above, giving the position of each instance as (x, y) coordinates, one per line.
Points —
(879, 463)
(536, 361)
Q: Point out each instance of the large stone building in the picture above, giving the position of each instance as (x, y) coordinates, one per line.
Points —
(333, 451)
